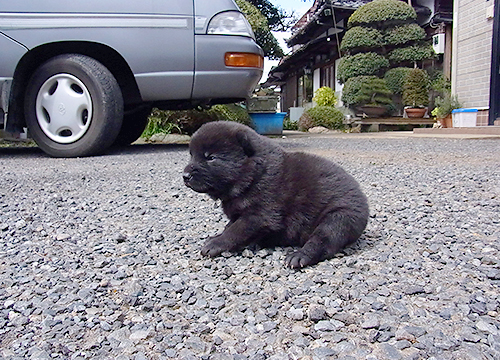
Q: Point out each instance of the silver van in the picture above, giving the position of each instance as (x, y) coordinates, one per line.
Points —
(84, 75)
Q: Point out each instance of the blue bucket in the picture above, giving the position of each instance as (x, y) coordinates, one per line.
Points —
(268, 123)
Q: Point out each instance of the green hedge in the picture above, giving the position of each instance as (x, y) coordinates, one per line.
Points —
(412, 53)
(188, 121)
(361, 37)
(326, 116)
(439, 82)
(395, 79)
(360, 64)
(403, 34)
(382, 13)
(363, 90)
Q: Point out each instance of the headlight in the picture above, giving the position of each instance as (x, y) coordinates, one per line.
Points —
(230, 23)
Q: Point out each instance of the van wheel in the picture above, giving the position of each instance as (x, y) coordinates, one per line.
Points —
(134, 123)
(73, 106)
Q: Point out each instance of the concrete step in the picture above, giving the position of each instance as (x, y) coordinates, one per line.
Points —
(476, 130)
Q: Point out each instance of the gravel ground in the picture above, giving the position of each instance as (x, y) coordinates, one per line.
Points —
(99, 259)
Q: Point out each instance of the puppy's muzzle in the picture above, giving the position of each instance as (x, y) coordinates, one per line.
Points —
(187, 176)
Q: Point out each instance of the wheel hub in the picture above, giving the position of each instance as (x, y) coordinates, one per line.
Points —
(64, 108)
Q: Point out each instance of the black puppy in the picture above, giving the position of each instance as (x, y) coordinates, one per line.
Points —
(273, 197)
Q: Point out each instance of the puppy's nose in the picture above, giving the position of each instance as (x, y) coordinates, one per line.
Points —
(187, 176)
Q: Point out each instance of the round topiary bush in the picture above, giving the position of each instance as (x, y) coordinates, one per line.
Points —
(366, 90)
(369, 63)
(395, 79)
(325, 96)
(326, 116)
(383, 13)
(411, 54)
(360, 37)
(305, 122)
(403, 34)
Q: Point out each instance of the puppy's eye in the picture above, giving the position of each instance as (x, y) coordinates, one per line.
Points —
(209, 157)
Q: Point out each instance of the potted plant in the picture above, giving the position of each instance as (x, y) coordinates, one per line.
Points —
(416, 93)
(368, 94)
(444, 106)
(263, 111)
(395, 79)
(377, 96)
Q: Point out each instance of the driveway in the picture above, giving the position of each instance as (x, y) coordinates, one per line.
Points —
(99, 258)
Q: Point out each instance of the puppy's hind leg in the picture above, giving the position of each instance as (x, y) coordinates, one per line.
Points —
(335, 231)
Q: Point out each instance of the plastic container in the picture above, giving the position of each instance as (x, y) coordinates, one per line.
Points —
(464, 117)
(268, 123)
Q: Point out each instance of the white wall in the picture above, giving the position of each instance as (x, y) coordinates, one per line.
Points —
(471, 61)
(316, 80)
(338, 85)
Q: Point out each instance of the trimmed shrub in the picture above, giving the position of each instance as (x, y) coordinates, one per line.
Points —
(360, 64)
(439, 82)
(326, 116)
(412, 54)
(416, 88)
(403, 34)
(395, 79)
(361, 37)
(382, 13)
(325, 96)
(352, 90)
(366, 90)
(305, 122)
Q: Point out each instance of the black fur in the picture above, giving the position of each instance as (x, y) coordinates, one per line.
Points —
(273, 197)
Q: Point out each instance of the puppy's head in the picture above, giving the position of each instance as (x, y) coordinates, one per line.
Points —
(221, 162)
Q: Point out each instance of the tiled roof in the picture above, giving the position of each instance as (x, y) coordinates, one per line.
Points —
(353, 4)
(317, 8)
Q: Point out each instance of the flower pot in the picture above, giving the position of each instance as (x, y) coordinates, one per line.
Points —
(373, 111)
(268, 123)
(415, 112)
(447, 121)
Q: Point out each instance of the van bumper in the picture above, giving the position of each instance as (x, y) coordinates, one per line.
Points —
(213, 79)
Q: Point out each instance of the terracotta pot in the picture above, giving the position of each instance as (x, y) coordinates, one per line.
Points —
(415, 112)
(373, 111)
(447, 121)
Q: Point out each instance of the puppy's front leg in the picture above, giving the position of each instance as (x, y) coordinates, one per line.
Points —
(237, 235)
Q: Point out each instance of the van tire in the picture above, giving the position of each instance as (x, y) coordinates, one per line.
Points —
(73, 106)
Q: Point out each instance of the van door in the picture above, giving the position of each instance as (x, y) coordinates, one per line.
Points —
(155, 37)
(10, 55)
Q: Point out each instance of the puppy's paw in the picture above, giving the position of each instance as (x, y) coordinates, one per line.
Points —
(214, 247)
(298, 259)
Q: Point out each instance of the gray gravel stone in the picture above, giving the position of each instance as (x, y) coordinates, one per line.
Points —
(317, 313)
(370, 321)
(100, 258)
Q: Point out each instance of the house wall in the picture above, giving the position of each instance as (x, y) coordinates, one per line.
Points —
(471, 63)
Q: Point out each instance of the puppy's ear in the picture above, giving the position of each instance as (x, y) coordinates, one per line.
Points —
(245, 142)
